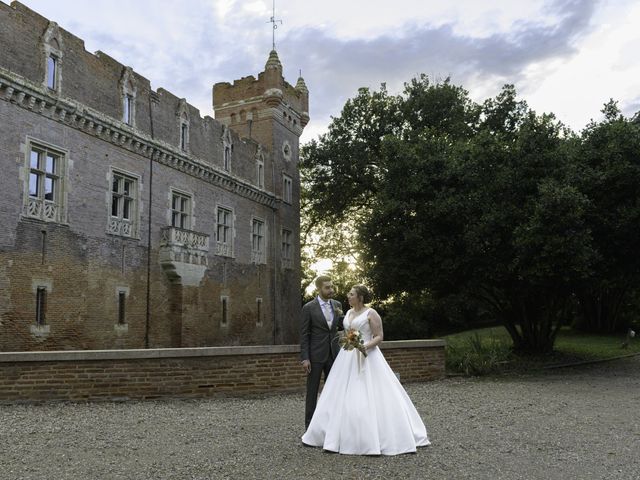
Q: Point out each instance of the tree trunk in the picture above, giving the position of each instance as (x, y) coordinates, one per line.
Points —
(539, 322)
(600, 309)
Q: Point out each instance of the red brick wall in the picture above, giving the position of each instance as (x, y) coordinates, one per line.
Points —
(193, 372)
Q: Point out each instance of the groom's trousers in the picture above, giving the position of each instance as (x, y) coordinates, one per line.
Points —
(313, 385)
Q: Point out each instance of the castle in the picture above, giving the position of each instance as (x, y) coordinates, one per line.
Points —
(130, 221)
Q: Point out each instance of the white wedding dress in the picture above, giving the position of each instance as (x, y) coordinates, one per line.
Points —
(363, 409)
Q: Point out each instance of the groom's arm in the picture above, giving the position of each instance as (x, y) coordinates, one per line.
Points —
(305, 336)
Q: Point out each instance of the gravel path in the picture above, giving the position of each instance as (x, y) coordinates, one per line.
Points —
(567, 424)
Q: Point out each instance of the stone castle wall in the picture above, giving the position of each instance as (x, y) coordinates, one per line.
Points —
(173, 290)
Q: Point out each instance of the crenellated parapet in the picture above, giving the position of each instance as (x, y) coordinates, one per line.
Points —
(248, 102)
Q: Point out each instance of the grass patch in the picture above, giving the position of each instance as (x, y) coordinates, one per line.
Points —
(489, 351)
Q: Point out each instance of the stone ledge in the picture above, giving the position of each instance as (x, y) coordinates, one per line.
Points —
(413, 344)
(84, 355)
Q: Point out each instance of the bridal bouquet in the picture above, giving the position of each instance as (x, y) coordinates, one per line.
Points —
(353, 339)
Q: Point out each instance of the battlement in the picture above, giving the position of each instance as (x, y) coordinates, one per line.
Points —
(249, 88)
(258, 108)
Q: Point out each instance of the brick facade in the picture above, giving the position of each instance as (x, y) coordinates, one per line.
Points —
(196, 372)
(114, 277)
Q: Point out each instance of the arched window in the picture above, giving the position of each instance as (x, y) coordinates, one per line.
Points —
(52, 57)
(183, 125)
(227, 148)
(128, 93)
(260, 168)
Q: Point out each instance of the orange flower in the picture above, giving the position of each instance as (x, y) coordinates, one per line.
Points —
(352, 339)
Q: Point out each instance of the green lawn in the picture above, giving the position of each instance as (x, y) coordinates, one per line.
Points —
(488, 350)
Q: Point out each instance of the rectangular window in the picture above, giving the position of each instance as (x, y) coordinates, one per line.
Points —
(121, 307)
(258, 242)
(225, 227)
(123, 196)
(287, 189)
(44, 174)
(184, 130)
(52, 66)
(225, 310)
(41, 305)
(127, 109)
(44, 183)
(180, 211)
(258, 311)
(257, 236)
(287, 248)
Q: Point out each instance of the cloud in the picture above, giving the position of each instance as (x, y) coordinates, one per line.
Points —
(186, 51)
(631, 107)
(336, 68)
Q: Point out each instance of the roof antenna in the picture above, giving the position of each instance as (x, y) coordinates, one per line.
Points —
(275, 22)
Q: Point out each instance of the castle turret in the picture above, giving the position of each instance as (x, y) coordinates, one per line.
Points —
(268, 110)
(304, 97)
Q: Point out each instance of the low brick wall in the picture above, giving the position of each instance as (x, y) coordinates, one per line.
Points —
(183, 372)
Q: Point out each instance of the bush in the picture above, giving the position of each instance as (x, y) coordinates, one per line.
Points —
(475, 356)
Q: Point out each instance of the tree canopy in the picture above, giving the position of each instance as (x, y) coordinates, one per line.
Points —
(445, 198)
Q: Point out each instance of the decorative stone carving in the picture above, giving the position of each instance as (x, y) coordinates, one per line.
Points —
(47, 211)
(118, 226)
(258, 258)
(183, 255)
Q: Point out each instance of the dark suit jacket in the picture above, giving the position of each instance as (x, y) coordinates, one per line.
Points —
(317, 342)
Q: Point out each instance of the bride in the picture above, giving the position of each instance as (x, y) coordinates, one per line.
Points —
(363, 409)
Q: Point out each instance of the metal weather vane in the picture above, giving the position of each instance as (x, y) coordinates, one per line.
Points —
(275, 22)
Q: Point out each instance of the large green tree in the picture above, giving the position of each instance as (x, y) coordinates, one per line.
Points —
(487, 211)
(489, 203)
(340, 173)
(609, 175)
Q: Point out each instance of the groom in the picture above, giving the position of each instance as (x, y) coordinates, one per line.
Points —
(321, 319)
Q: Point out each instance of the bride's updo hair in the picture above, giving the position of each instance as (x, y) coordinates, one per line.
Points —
(363, 292)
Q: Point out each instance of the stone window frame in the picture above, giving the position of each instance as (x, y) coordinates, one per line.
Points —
(286, 247)
(189, 212)
(41, 289)
(258, 256)
(115, 224)
(184, 124)
(287, 189)
(54, 210)
(52, 48)
(227, 148)
(259, 311)
(225, 248)
(128, 91)
(41, 306)
(224, 310)
(121, 324)
(260, 168)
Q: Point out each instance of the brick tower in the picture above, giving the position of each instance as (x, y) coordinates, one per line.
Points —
(271, 114)
(268, 110)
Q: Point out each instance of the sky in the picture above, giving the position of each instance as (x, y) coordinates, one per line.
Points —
(568, 57)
